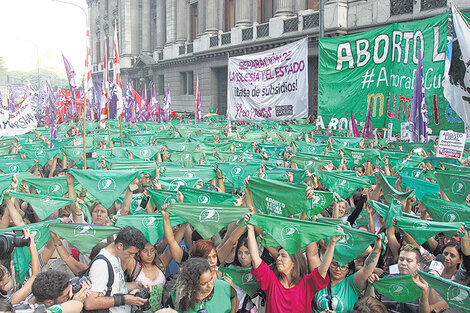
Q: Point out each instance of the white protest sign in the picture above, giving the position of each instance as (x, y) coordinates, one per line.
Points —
(451, 144)
(270, 85)
(19, 122)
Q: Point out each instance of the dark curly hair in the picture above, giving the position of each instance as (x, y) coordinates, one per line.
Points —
(131, 237)
(188, 283)
(49, 285)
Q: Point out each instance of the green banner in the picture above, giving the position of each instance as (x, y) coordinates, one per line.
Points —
(378, 68)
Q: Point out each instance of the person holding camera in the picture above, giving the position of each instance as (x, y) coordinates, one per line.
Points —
(54, 290)
(110, 291)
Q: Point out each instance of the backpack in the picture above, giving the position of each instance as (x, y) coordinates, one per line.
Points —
(108, 286)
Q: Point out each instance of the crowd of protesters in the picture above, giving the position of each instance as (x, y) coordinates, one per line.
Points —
(377, 224)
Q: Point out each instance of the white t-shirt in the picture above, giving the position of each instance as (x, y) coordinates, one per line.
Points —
(99, 279)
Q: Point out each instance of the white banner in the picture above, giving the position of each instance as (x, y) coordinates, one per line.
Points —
(270, 85)
(451, 144)
(20, 122)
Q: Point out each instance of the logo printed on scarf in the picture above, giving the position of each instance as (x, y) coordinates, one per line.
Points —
(289, 232)
(248, 278)
(170, 200)
(421, 225)
(106, 184)
(237, 171)
(176, 184)
(399, 289)
(451, 216)
(458, 187)
(45, 201)
(209, 215)
(54, 188)
(13, 168)
(84, 230)
(150, 221)
(203, 199)
(188, 175)
(36, 234)
(457, 296)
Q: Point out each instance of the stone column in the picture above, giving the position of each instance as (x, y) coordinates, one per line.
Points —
(146, 35)
(243, 13)
(170, 21)
(182, 21)
(160, 25)
(284, 7)
(201, 17)
(212, 16)
(135, 27)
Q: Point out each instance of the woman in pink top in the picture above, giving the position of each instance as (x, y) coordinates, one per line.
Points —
(289, 288)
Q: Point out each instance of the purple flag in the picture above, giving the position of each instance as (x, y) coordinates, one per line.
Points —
(167, 105)
(71, 77)
(154, 106)
(367, 131)
(419, 109)
(355, 130)
(128, 103)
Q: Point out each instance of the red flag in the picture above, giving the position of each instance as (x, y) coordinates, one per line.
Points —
(117, 75)
(88, 78)
(105, 91)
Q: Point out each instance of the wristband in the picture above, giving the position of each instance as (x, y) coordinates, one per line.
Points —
(119, 300)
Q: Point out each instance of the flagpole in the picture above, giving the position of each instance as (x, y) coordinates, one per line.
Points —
(120, 128)
(195, 111)
(84, 129)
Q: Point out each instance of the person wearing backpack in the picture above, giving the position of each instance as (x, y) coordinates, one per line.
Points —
(109, 292)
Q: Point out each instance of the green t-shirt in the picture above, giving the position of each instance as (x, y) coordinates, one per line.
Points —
(345, 295)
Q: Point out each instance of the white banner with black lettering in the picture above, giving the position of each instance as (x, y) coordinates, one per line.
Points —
(270, 85)
(19, 122)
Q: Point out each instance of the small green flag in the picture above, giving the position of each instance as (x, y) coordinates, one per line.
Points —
(415, 172)
(279, 198)
(120, 152)
(235, 173)
(42, 205)
(186, 158)
(204, 173)
(422, 230)
(352, 244)
(201, 196)
(309, 147)
(401, 289)
(132, 164)
(106, 186)
(345, 142)
(344, 185)
(422, 187)
(42, 155)
(308, 163)
(140, 139)
(456, 187)
(174, 183)
(389, 192)
(455, 295)
(16, 166)
(146, 152)
(51, 186)
(361, 156)
(398, 163)
(293, 234)
(242, 277)
(151, 225)
(159, 197)
(208, 219)
(75, 152)
(84, 237)
(436, 162)
(446, 211)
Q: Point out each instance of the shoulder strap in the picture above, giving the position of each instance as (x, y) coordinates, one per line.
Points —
(330, 297)
(110, 272)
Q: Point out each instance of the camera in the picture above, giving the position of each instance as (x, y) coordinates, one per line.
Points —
(144, 293)
(26, 308)
(76, 283)
(9, 241)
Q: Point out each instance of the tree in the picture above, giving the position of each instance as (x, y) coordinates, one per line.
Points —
(3, 72)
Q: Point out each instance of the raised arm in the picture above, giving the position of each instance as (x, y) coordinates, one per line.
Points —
(328, 257)
(360, 278)
(252, 244)
(173, 246)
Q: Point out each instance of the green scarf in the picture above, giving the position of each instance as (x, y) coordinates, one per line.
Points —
(5, 183)
(201, 196)
(75, 152)
(344, 185)
(146, 152)
(159, 197)
(204, 173)
(242, 277)
(456, 187)
(422, 230)
(50, 186)
(120, 152)
(42, 205)
(415, 172)
(42, 155)
(352, 244)
(140, 139)
(84, 237)
(309, 147)
(292, 234)
(345, 142)
(361, 156)
(389, 191)
(455, 295)
(446, 211)
(145, 167)
(208, 220)
(401, 289)
(422, 187)
(173, 183)
(151, 225)
(106, 186)
(16, 166)
(279, 198)
(309, 164)
(437, 161)
(235, 173)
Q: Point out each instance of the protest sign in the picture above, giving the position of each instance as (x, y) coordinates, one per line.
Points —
(378, 68)
(451, 144)
(20, 122)
(270, 85)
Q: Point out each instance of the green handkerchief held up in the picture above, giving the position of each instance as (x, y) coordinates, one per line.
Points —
(42, 205)
(389, 191)
(344, 185)
(446, 211)
(399, 288)
(242, 278)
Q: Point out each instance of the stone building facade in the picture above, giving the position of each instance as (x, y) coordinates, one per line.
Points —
(171, 42)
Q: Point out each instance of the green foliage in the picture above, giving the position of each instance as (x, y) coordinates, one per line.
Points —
(22, 78)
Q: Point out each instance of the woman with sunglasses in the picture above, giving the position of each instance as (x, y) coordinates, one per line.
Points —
(344, 289)
(289, 287)
(197, 292)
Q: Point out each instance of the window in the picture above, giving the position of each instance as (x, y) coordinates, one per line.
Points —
(265, 10)
(313, 4)
(229, 14)
(193, 25)
(161, 85)
(187, 83)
